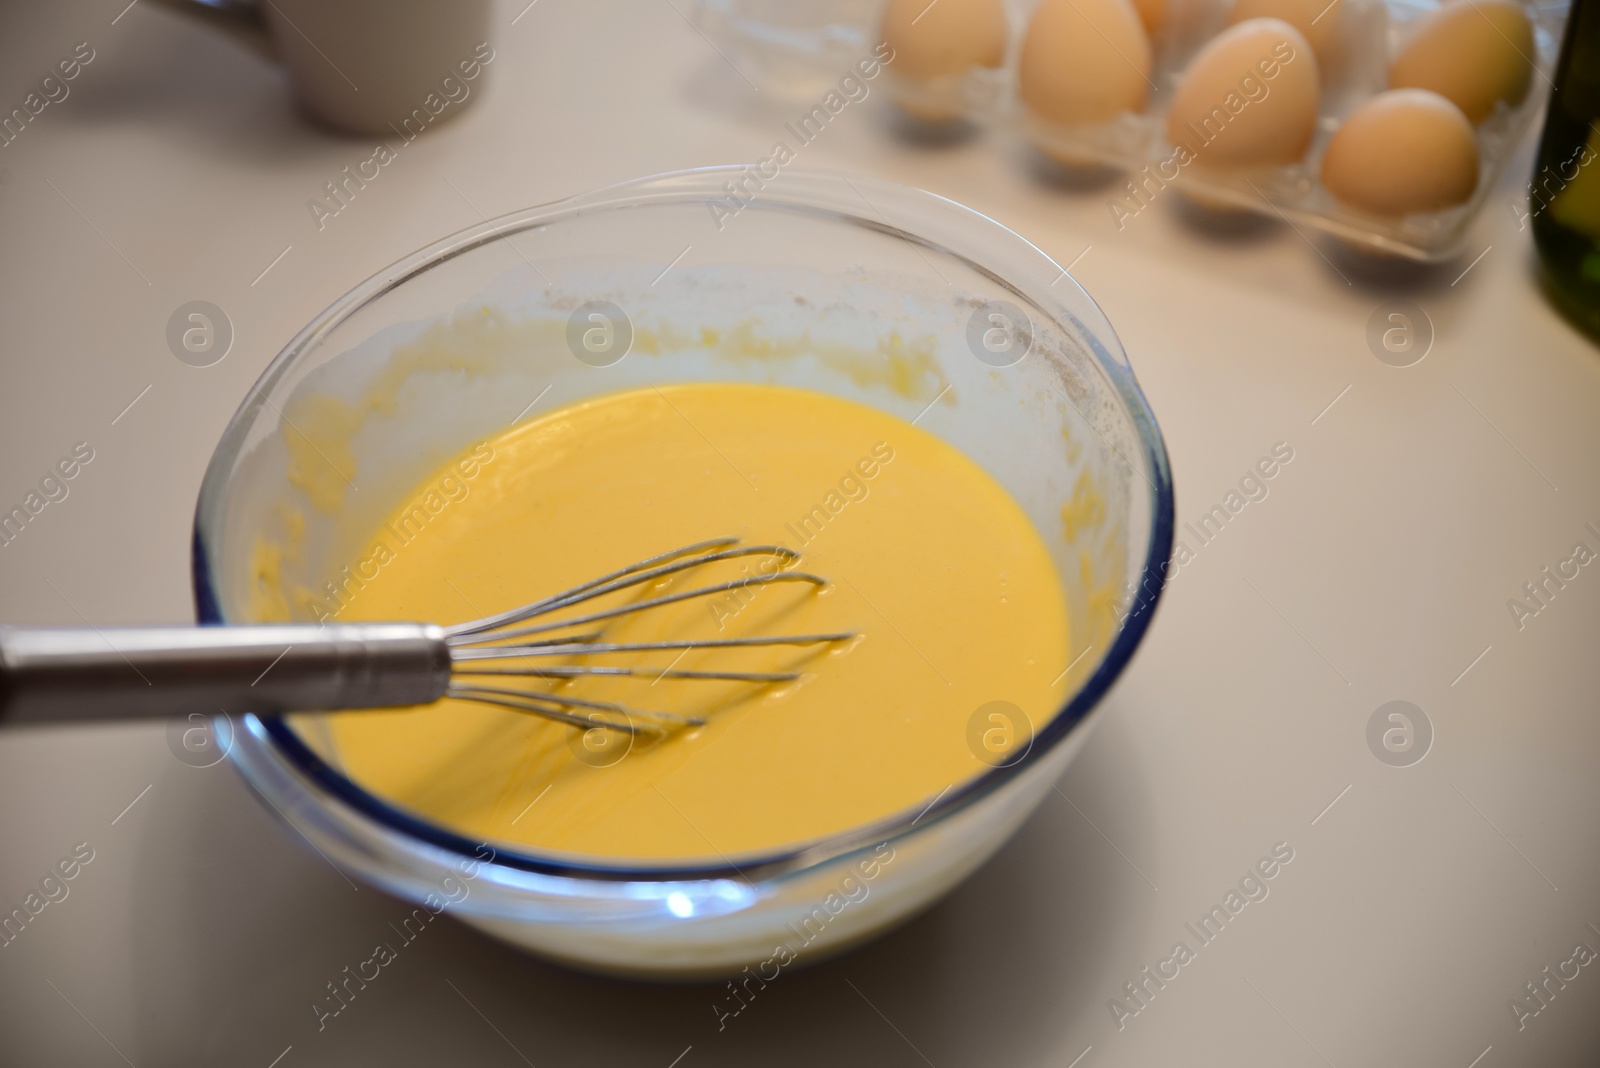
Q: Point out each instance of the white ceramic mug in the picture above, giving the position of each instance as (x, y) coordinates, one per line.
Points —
(365, 66)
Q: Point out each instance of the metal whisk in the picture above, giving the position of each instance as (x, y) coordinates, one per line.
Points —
(116, 673)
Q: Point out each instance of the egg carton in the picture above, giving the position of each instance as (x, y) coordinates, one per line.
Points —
(801, 48)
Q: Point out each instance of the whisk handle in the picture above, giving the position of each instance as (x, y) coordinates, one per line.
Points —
(71, 674)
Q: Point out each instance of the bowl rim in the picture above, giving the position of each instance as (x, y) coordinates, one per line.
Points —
(803, 191)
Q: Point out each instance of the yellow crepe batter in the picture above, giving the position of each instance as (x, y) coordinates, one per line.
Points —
(939, 572)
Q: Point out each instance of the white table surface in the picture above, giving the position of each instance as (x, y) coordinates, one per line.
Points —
(1378, 569)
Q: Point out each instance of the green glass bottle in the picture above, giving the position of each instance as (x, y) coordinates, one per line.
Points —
(1564, 196)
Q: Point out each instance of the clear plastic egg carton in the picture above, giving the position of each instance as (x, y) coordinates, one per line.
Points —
(801, 48)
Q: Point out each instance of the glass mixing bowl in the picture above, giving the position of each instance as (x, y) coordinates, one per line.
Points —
(873, 291)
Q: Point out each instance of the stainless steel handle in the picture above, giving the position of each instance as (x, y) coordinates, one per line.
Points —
(56, 675)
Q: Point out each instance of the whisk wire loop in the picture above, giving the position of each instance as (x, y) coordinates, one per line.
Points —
(641, 606)
(478, 646)
(634, 575)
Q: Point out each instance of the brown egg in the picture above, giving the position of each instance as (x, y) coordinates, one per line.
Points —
(1317, 20)
(944, 37)
(1248, 100)
(1403, 151)
(1152, 13)
(1471, 52)
(1084, 61)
